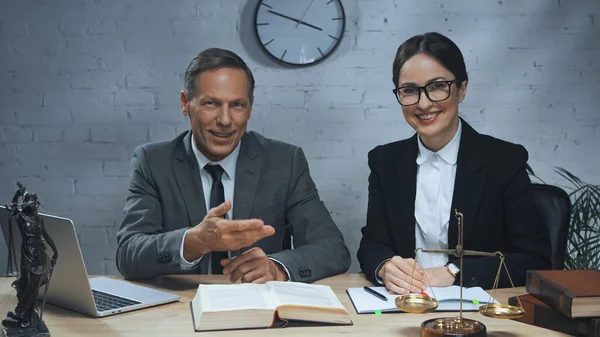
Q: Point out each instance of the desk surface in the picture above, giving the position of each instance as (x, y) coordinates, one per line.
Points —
(175, 318)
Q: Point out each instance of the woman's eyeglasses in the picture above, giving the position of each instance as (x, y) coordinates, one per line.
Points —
(435, 91)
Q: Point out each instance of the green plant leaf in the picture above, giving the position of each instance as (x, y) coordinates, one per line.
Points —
(583, 243)
(529, 170)
(569, 176)
(532, 174)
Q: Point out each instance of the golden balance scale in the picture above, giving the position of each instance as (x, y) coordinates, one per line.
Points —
(458, 326)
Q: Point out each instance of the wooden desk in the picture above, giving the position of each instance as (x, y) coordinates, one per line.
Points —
(175, 319)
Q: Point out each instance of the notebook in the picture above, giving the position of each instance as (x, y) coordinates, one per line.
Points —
(448, 297)
(70, 286)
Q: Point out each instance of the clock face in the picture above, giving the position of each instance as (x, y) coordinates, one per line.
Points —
(299, 32)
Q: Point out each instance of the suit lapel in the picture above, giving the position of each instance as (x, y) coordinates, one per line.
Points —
(247, 173)
(404, 184)
(468, 185)
(187, 175)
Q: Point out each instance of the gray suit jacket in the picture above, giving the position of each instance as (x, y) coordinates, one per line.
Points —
(272, 183)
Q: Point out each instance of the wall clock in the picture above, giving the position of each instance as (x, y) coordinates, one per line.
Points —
(299, 32)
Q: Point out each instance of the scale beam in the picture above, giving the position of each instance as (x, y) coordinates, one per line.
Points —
(461, 252)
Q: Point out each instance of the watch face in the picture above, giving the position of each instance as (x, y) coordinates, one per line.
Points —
(299, 32)
(453, 268)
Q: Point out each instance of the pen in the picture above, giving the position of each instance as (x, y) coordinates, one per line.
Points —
(376, 294)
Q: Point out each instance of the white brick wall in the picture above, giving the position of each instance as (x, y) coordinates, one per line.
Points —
(82, 83)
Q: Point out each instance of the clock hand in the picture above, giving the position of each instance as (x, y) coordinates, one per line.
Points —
(299, 22)
(295, 20)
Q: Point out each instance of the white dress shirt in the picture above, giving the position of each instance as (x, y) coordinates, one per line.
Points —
(228, 179)
(436, 172)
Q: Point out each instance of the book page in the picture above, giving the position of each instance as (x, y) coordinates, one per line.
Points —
(479, 294)
(227, 297)
(452, 293)
(301, 294)
(366, 303)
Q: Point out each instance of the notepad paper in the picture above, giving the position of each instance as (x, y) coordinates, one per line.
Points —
(448, 297)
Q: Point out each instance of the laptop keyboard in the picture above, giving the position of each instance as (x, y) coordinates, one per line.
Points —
(106, 301)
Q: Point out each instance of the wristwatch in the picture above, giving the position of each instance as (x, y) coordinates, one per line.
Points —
(452, 269)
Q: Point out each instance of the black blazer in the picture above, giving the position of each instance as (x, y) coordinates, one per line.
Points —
(492, 190)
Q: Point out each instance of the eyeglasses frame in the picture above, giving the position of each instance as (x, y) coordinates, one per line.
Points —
(421, 89)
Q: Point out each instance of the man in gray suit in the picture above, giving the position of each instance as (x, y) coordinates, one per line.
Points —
(257, 192)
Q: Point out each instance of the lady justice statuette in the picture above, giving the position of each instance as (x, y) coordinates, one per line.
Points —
(35, 266)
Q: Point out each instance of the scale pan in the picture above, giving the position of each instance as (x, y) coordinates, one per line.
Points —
(416, 303)
(501, 311)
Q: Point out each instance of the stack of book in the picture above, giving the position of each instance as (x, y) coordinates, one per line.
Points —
(566, 301)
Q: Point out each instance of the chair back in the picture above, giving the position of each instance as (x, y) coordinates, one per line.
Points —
(554, 206)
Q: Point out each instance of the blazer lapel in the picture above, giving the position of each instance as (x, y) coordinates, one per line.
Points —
(187, 175)
(468, 185)
(247, 173)
(404, 184)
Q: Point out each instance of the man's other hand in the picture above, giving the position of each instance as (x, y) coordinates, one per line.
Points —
(253, 266)
(215, 233)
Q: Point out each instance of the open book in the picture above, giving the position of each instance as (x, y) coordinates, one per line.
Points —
(448, 297)
(245, 306)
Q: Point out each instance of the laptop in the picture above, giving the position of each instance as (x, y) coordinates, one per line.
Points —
(70, 286)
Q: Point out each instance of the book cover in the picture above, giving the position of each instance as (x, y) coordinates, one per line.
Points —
(575, 293)
(542, 315)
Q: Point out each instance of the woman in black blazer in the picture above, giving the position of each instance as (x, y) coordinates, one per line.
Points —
(416, 184)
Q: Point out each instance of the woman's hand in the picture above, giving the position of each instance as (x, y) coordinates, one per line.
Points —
(402, 276)
(439, 277)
